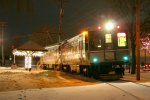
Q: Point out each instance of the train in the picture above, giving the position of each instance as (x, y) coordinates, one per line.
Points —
(97, 54)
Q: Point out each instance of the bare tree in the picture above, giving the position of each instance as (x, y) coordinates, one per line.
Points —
(45, 35)
(126, 11)
(145, 41)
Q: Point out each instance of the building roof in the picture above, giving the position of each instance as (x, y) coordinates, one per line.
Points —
(31, 46)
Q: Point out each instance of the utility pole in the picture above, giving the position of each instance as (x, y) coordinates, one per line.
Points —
(138, 39)
(61, 8)
(2, 27)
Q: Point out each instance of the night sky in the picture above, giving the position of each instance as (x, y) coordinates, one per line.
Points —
(78, 14)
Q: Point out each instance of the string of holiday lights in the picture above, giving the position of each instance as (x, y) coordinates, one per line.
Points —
(145, 40)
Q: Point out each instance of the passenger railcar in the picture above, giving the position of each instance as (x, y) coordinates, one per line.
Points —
(91, 53)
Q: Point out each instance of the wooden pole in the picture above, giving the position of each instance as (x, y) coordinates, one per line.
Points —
(138, 39)
(60, 29)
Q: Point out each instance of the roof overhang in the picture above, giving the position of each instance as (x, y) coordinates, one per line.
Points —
(28, 53)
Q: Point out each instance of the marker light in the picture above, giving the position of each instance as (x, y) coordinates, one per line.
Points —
(99, 27)
(125, 58)
(95, 60)
(118, 26)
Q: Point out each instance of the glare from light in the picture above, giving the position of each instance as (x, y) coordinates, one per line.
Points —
(95, 60)
(84, 32)
(118, 26)
(109, 26)
(99, 27)
(125, 58)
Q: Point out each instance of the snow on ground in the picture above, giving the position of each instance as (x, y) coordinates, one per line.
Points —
(20, 79)
(19, 84)
(101, 91)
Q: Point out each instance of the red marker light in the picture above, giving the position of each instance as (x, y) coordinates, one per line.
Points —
(146, 65)
(118, 26)
(99, 27)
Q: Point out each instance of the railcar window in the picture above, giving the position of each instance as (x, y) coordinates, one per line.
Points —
(108, 38)
(122, 42)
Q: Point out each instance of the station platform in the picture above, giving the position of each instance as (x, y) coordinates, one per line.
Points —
(144, 76)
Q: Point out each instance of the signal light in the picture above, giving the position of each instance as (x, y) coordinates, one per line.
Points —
(99, 27)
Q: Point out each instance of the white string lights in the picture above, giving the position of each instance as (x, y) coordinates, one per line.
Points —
(146, 42)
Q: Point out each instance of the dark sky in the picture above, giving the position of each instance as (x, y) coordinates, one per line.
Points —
(77, 14)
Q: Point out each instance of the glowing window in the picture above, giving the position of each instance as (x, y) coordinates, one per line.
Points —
(122, 42)
(108, 38)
